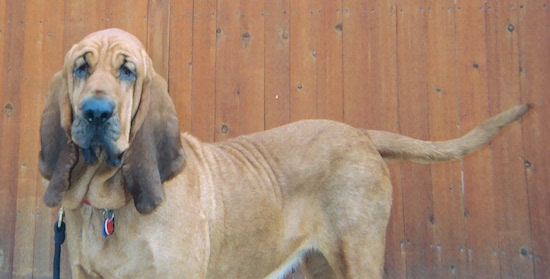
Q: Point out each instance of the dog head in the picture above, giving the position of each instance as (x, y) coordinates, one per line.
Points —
(109, 127)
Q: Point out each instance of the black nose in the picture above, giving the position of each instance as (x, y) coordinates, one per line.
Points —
(97, 110)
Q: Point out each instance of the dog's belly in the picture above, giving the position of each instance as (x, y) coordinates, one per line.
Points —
(252, 234)
(260, 241)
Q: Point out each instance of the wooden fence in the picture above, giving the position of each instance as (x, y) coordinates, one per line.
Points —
(429, 69)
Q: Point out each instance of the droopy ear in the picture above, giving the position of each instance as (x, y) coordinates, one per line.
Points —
(155, 153)
(58, 154)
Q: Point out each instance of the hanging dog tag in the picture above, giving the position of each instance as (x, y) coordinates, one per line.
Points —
(108, 222)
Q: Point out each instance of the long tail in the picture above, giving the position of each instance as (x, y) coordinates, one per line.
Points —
(395, 147)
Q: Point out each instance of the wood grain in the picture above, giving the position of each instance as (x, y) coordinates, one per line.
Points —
(480, 208)
(508, 169)
(425, 68)
(413, 121)
(51, 37)
(181, 61)
(277, 63)
(448, 224)
(239, 69)
(203, 88)
(534, 42)
(158, 20)
(303, 78)
(10, 132)
(28, 148)
(329, 60)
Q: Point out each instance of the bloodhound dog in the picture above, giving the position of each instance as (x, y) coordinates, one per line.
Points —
(316, 191)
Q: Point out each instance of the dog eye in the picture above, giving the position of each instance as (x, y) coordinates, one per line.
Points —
(81, 71)
(126, 73)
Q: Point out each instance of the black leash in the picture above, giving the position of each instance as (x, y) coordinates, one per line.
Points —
(59, 238)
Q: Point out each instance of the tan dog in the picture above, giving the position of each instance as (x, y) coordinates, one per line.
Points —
(250, 207)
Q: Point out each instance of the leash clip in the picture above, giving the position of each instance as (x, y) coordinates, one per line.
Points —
(60, 215)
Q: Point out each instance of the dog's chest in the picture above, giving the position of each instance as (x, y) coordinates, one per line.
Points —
(123, 254)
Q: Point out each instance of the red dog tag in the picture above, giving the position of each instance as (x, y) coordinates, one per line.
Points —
(108, 223)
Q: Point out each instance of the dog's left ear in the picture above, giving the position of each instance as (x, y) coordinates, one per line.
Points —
(155, 153)
(58, 154)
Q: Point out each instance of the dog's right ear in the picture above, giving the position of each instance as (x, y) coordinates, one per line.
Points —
(58, 153)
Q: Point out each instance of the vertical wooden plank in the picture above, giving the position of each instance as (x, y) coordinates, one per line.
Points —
(479, 202)
(3, 41)
(328, 55)
(534, 43)
(10, 100)
(277, 63)
(303, 102)
(52, 51)
(252, 23)
(204, 70)
(181, 60)
(370, 64)
(511, 200)
(6, 198)
(316, 86)
(371, 97)
(448, 211)
(28, 144)
(82, 18)
(239, 69)
(127, 15)
(158, 25)
(356, 45)
(228, 69)
(413, 121)
(253, 75)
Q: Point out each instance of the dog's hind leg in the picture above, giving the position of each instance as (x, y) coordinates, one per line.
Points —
(359, 257)
(356, 248)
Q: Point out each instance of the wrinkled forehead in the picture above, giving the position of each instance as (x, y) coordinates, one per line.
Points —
(113, 42)
(115, 35)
